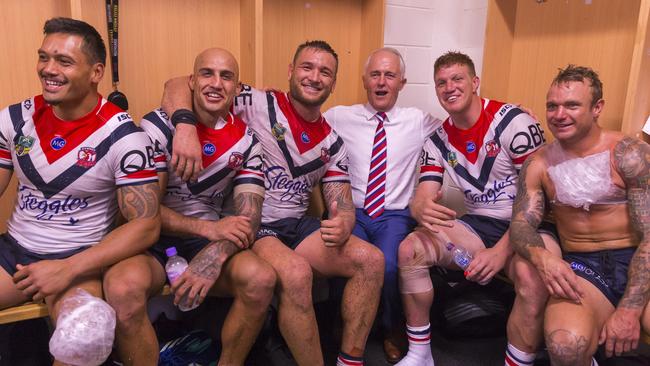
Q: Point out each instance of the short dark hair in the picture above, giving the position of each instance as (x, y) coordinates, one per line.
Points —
(93, 45)
(319, 45)
(580, 73)
(454, 58)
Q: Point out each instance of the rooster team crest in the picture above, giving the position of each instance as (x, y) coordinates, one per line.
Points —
(235, 161)
(324, 155)
(86, 157)
(278, 131)
(24, 145)
(492, 148)
(452, 159)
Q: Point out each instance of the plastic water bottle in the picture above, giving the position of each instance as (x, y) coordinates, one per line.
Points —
(462, 258)
(175, 267)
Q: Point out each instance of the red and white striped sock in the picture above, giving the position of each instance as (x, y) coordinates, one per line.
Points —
(346, 360)
(516, 357)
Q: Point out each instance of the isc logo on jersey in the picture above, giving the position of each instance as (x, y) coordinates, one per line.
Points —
(209, 149)
(57, 143)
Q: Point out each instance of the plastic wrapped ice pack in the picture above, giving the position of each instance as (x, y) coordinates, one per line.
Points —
(85, 330)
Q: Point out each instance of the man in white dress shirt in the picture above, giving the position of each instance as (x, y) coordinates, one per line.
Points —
(382, 214)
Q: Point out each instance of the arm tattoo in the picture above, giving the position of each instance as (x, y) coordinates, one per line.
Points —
(632, 159)
(250, 205)
(339, 193)
(209, 261)
(139, 201)
(527, 212)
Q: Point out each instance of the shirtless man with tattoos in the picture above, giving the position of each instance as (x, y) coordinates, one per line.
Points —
(300, 151)
(78, 160)
(596, 182)
(191, 212)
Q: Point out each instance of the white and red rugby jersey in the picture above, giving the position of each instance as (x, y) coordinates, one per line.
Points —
(297, 154)
(231, 156)
(69, 172)
(484, 161)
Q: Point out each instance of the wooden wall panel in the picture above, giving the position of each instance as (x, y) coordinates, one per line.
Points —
(552, 34)
(637, 101)
(288, 23)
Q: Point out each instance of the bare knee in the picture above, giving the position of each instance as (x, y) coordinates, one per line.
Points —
(531, 291)
(568, 348)
(257, 285)
(370, 260)
(129, 300)
(295, 281)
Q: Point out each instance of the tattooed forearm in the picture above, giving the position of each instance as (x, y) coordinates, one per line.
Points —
(632, 158)
(339, 193)
(250, 204)
(209, 262)
(139, 201)
(527, 213)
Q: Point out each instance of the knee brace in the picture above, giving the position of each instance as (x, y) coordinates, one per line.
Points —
(414, 276)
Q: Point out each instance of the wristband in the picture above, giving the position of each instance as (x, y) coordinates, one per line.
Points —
(183, 116)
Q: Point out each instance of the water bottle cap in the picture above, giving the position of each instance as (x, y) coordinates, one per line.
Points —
(450, 245)
(171, 251)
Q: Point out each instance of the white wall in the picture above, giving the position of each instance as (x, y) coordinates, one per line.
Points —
(422, 30)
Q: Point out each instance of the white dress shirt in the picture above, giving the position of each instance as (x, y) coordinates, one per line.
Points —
(406, 130)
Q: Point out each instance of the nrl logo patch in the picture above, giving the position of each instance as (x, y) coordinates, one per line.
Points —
(86, 157)
(452, 159)
(278, 131)
(24, 145)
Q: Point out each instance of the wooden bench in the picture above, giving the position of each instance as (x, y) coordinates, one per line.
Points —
(33, 310)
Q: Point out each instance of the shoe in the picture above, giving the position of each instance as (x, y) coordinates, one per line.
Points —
(392, 351)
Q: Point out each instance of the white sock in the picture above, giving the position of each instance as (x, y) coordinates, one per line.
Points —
(517, 357)
(419, 353)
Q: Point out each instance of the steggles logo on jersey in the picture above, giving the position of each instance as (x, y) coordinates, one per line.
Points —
(27, 104)
(278, 131)
(470, 147)
(236, 160)
(278, 179)
(492, 148)
(57, 143)
(45, 209)
(452, 159)
(87, 157)
(305, 138)
(324, 155)
(24, 145)
(209, 149)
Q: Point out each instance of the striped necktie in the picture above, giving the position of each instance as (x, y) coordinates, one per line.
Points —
(374, 202)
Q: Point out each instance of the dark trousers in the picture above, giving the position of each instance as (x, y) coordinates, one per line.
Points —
(386, 232)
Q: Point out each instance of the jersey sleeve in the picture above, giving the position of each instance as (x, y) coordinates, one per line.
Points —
(337, 162)
(132, 156)
(6, 128)
(431, 168)
(160, 131)
(250, 172)
(522, 137)
(248, 105)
